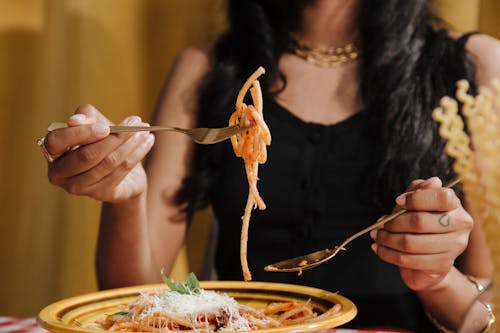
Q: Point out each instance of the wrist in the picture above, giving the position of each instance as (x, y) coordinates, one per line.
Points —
(471, 313)
(444, 283)
(487, 317)
(130, 200)
(126, 207)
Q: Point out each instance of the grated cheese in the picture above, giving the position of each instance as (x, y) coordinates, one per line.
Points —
(190, 307)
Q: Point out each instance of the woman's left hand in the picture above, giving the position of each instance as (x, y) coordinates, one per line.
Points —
(425, 241)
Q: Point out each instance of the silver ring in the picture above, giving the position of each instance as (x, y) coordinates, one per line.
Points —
(48, 156)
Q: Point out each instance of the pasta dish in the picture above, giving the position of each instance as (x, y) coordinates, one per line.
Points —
(187, 307)
(250, 145)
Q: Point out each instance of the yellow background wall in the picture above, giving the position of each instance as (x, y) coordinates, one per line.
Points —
(57, 54)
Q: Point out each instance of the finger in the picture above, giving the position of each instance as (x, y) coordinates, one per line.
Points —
(57, 142)
(116, 177)
(79, 119)
(419, 184)
(433, 182)
(422, 222)
(89, 155)
(125, 156)
(414, 184)
(435, 263)
(420, 243)
(63, 140)
(433, 199)
(87, 114)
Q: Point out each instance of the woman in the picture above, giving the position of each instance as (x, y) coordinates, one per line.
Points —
(348, 137)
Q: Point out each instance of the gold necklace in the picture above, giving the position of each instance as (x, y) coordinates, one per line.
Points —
(323, 56)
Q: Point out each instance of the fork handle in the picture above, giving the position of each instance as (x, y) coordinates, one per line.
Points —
(387, 218)
(118, 129)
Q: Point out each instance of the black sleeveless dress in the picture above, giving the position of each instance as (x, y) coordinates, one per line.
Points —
(316, 185)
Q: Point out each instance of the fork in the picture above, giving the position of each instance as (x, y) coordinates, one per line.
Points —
(314, 259)
(201, 135)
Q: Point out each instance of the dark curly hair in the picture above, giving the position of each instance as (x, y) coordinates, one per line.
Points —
(408, 63)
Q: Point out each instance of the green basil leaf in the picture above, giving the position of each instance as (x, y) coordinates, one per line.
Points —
(182, 289)
(193, 284)
(120, 313)
(171, 284)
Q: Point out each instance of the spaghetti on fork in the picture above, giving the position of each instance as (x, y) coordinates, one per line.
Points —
(250, 145)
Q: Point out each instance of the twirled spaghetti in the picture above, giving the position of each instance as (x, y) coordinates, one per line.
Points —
(250, 145)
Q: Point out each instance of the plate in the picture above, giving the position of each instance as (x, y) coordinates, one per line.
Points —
(69, 314)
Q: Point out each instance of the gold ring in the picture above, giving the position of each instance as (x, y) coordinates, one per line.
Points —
(48, 156)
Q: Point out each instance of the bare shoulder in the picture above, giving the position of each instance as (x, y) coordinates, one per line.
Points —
(194, 59)
(485, 53)
(191, 64)
(179, 93)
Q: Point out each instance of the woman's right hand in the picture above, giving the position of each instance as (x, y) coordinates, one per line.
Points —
(93, 162)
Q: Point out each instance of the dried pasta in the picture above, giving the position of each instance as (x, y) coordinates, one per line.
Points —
(250, 145)
(477, 157)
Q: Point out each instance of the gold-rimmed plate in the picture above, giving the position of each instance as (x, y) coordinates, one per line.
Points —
(69, 315)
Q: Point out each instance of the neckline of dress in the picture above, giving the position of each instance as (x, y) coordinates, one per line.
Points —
(286, 113)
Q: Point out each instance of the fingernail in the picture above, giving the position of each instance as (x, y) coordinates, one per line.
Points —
(100, 128)
(428, 181)
(373, 234)
(133, 120)
(401, 199)
(150, 138)
(374, 247)
(78, 117)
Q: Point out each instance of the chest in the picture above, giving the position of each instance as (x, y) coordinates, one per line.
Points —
(320, 95)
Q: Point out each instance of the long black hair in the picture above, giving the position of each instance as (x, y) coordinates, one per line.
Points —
(407, 65)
